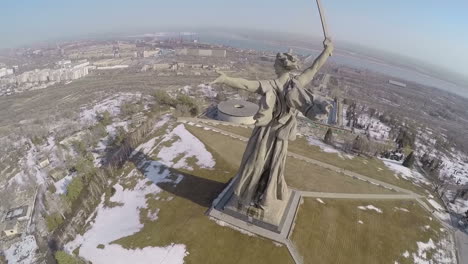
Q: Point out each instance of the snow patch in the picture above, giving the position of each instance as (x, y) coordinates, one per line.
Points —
(320, 200)
(162, 122)
(324, 147)
(61, 185)
(111, 104)
(207, 90)
(188, 145)
(370, 207)
(105, 229)
(277, 244)
(402, 209)
(153, 216)
(22, 252)
(436, 205)
(441, 252)
(405, 172)
(222, 223)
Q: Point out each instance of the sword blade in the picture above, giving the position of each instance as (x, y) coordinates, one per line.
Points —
(322, 18)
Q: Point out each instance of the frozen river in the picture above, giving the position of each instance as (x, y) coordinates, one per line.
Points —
(347, 60)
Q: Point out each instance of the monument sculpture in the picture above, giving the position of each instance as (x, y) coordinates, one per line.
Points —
(258, 194)
(259, 184)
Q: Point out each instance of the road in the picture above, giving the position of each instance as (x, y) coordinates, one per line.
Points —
(318, 163)
(359, 195)
(461, 240)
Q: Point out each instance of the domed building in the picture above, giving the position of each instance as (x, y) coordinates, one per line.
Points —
(237, 111)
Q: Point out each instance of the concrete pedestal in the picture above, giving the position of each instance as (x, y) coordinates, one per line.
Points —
(273, 224)
(271, 219)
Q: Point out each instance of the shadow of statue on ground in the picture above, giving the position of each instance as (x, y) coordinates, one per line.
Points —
(197, 189)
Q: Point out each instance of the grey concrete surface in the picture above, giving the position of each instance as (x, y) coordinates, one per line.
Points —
(461, 242)
(359, 196)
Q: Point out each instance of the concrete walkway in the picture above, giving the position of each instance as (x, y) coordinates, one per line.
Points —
(359, 196)
(461, 240)
(318, 163)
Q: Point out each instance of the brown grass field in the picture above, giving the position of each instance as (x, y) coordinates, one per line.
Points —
(330, 232)
(299, 174)
(370, 167)
(183, 220)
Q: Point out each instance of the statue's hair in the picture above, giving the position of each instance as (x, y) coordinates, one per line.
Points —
(287, 61)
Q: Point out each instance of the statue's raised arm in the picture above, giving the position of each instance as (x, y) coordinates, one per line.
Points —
(308, 74)
(237, 83)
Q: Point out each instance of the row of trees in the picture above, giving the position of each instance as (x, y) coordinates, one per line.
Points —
(184, 105)
(363, 145)
(82, 164)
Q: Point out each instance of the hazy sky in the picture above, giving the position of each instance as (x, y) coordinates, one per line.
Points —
(434, 31)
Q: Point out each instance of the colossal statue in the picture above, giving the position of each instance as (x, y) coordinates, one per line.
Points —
(260, 180)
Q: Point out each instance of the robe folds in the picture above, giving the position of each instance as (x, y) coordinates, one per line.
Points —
(260, 179)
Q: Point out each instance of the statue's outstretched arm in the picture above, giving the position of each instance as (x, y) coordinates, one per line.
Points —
(238, 83)
(308, 74)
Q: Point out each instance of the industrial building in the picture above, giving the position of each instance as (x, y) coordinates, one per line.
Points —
(57, 174)
(5, 72)
(11, 228)
(43, 162)
(20, 213)
(66, 72)
(400, 84)
(237, 111)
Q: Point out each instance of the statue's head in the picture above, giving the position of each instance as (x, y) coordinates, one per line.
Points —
(285, 62)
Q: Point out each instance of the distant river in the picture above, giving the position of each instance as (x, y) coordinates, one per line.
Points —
(347, 60)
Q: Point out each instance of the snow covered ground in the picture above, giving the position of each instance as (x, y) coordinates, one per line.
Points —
(326, 148)
(320, 200)
(207, 90)
(371, 208)
(106, 228)
(454, 164)
(165, 118)
(188, 145)
(430, 252)
(402, 209)
(203, 89)
(453, 170)
(405, 173)
(459, 205)
(112, 105)
(439, 211)
(99, 151)
(222, 223)
(30, 171)
(179, 145)
(61, 185)
(22, 252)
(377, 129)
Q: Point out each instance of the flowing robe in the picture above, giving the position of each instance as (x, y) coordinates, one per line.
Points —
(260, 179)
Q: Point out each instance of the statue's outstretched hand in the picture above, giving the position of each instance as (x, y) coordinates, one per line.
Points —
(220, 79)
(328, 45)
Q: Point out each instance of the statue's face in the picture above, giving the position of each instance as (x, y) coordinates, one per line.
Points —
(279, 69)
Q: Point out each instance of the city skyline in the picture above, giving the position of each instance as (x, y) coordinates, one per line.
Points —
(416, 29)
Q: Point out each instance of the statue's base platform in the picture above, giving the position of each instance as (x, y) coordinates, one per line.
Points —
(273, 224)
